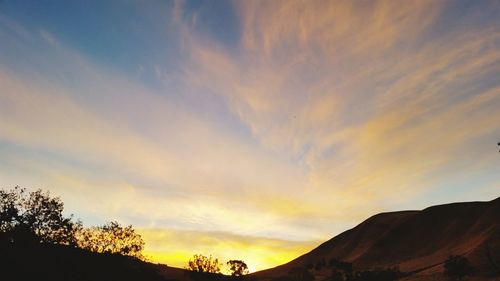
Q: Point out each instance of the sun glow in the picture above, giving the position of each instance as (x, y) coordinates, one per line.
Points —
(175, 248)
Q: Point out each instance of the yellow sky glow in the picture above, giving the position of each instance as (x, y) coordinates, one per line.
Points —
(175, 248)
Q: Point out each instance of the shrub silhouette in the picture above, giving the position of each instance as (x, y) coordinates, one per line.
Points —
(237, 267)
(35, 214)
(112, 238)
(201, 263)
(457, 267)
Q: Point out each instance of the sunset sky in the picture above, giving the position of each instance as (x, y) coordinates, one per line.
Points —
(252, 130)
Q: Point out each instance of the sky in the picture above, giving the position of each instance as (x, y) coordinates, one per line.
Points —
(250, 130)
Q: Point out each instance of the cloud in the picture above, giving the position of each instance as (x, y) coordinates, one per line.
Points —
(47, 36)
(366, 98)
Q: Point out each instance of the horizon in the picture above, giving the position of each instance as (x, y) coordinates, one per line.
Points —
(249, 130)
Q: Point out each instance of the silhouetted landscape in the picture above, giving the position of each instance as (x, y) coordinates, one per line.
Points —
(250, 140)
(442, 242)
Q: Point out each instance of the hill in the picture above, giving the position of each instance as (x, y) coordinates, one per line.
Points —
(418, 242)
(57, 262)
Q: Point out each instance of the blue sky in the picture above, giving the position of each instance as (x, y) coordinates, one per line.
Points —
(262, 128)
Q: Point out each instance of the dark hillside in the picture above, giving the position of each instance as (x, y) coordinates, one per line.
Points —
(49, 262)
(56, 262)
(417, 242)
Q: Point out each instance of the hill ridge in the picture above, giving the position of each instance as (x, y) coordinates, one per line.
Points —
(416, 241)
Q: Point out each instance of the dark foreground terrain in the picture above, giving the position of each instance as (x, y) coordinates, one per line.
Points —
(415, 242)
(56, 262)
(28, 261)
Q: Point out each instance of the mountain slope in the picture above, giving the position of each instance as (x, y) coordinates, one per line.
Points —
(415, 241)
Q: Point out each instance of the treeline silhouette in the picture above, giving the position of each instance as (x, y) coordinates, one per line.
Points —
(38, 242)
(36, 217)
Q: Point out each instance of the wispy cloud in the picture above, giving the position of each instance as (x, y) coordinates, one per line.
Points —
(133, 151)
(322, 114)
(366, 98)
(47, 36)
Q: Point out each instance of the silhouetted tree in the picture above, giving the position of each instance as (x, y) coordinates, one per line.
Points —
(43, 215)
(237, 267)
(36, 217)
(36, 212)
(201, 263)
(112, 238)
(10, 205)
(457, 267)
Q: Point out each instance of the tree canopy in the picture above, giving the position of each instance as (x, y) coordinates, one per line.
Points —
(237, 267)
(201, 263)
(111, 238)
(37, 213)
(37, 217)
